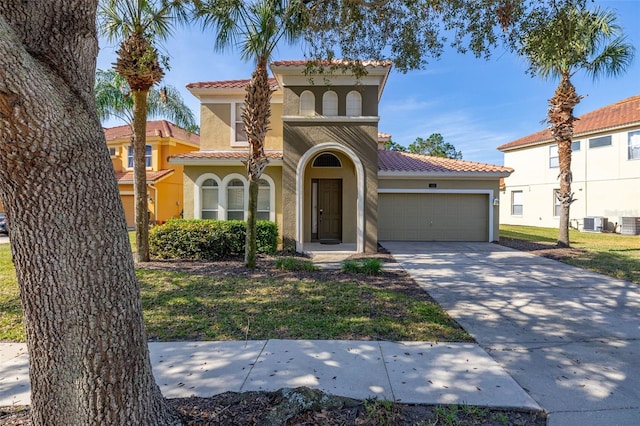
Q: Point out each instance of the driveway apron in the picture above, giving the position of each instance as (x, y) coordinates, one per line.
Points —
(568, 336)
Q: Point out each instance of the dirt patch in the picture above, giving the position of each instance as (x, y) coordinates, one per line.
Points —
(550, 251)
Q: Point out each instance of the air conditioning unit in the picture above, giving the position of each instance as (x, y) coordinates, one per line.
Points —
(594, 224)
(630, 226)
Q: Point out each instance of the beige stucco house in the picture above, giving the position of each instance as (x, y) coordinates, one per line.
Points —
(606, 172)
(328, 180)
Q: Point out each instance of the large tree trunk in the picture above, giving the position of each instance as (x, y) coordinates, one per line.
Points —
(561, 118)
(256, 117)
(89, 361)
(140, 174)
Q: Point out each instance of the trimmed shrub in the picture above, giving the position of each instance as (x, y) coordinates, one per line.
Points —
(293, 264)
(208, 239)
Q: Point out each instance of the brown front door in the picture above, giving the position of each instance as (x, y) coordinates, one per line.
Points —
(330, 210)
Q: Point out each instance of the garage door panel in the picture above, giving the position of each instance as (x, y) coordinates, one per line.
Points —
(433, 217)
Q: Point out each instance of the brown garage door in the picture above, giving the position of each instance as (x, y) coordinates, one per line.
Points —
(433, 217)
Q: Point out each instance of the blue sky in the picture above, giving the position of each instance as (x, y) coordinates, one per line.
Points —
(475, 104)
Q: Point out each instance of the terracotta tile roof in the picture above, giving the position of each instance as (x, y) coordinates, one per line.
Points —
(152, 176)
(304, 62)
(394, 161)
(161, 128)
(624, 112)
(384, 136)
(225, 155)
(228, 84)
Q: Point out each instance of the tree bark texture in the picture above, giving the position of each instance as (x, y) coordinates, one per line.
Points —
(561, 118)
(256, 117)
(140, 174)
(89, 360)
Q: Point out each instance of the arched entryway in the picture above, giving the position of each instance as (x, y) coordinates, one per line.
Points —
(330, 196)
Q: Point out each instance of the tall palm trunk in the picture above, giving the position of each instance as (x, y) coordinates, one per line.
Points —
(138, 63)
(140, 174)
(561, 118)
(256, 115)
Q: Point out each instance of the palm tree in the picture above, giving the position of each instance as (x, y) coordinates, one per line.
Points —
(255, 28)
(114, 100)
(571, 40)
(139, 24)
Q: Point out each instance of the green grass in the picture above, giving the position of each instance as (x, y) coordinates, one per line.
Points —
(610, 254)
(293, 264)
(367, 266)
(179, 306)
(10, 310)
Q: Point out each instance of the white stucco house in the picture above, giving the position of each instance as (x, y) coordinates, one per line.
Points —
(605, 166)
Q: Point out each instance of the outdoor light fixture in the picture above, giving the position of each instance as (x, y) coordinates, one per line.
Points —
(496, 201)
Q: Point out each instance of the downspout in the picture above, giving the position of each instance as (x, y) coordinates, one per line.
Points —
(155, 203)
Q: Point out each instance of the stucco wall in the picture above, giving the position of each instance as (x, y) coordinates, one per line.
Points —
(361, 139)
(605, 183)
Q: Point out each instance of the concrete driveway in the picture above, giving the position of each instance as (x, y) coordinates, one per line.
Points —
(569, 337)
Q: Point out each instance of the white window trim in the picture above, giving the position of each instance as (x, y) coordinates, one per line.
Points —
(325, 99)
(130, 147)
(233, 120)
(272, 197)
(313, 104)
(556, 202)
(224, 199)
(197, 194)
(557, 157)
(512, 204)
(358, 99)
(635, 146)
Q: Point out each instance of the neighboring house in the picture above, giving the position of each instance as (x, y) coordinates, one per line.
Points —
(164, 180)
(605, 164)
(327, 180)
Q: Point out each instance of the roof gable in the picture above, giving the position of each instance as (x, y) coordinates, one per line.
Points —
(157, 128)
(622, 113)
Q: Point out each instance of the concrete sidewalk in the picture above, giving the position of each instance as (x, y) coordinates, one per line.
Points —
(410, 372)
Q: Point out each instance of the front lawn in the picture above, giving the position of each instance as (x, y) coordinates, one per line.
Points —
(265, 305)
(610, 254)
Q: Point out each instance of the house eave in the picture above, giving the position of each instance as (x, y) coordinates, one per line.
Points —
(576, 136)
(217, 162)
(442, 175)
(330, 119)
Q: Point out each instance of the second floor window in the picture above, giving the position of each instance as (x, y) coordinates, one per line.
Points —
(307, 104)
(634, 145)
(239, 136)
(330, 103)
(601, 141)
(147, 155)
(354, 104)
(553, 156)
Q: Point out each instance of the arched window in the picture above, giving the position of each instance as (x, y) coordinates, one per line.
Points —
(209, 199)
(307, 104)
(326, 159)
(264, 200)
(354, 104)
(330, 103)
(235, 200)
